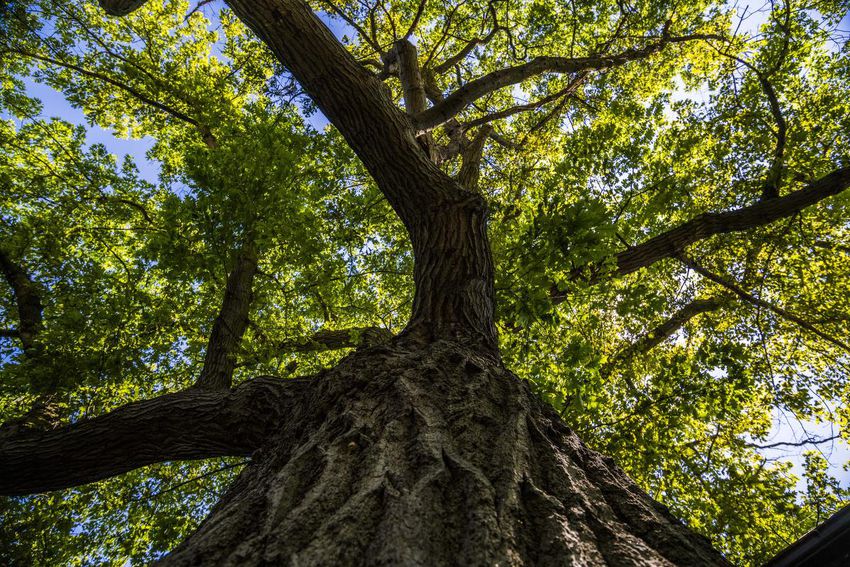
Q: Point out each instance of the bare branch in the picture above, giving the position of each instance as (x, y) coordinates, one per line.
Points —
(411, 77)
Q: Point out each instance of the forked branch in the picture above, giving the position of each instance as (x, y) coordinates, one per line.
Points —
(473, 90)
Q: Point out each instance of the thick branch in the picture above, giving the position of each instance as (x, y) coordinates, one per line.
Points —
(193, 424)
(473, 90)
(335, 339)
(671, 243)
(120, 7)
(470, 169)
(230, 325)
(27, 299)
(330, 339)
(453, 269)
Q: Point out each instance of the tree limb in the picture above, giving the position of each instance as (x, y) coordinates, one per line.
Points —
(27, 299)
(230, 325)
(498, 115)
(334, 339)
(193, 424)
(325, 340)
(126, 88)
(446, 223)
(671, 243)
(473, 90)
(468, 46)
(470, 169)
(662, 332)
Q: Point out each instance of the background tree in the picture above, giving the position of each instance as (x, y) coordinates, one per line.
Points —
(666, 271)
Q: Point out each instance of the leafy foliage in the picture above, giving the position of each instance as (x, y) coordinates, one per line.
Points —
(131, 271)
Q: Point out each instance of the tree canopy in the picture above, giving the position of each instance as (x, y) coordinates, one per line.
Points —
(667, 191)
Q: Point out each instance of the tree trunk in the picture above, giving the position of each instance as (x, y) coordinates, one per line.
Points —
(424, 451)
(404, 455)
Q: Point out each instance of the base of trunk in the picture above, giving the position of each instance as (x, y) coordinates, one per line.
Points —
(434, 456)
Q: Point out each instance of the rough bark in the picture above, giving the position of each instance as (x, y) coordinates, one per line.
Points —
(433, 456)
(230, 325)
(193, 424)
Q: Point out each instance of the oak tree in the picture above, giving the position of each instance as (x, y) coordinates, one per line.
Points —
(530, 229)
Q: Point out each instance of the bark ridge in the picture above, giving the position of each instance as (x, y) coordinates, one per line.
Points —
(434, 456)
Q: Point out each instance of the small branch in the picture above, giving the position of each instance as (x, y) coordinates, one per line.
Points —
(208, 474)
(126, 88)
(27, 299)
(662, 332)
(371, 41)
(568, 90)
(468, 47)
(773, 180)
(804, 442)
(750, 298)
(416, 19)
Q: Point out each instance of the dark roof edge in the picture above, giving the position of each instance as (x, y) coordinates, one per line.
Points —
(814, 541)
